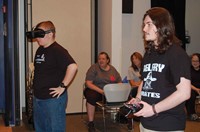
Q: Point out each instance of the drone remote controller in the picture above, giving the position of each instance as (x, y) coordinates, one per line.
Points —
(134, 107)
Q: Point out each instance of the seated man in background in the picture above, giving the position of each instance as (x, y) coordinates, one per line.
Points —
(97, 76)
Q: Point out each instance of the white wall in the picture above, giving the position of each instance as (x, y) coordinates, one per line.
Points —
(132, 33)
(192, 22)
(73, 30)
(104, 25)
(116, 36)
(110, 30)
(72, 19)
(120, 34)
(131, 39)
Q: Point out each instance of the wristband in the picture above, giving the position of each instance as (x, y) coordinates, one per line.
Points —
(62, 85)
(154, 110)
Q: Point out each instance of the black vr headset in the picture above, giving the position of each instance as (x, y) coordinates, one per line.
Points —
(38, 33)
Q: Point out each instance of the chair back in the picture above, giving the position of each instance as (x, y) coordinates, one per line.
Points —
(116, 93)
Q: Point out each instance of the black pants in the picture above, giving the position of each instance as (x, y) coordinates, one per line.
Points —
(134, 92)
(92, 96)
(190, 103)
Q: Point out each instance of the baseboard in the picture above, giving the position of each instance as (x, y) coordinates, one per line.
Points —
(78, 113)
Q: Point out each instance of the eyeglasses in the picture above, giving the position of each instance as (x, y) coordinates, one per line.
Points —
(195, 61)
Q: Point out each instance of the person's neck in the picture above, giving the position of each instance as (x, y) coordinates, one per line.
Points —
(138, 66)
(50, 43)
(196, 68)
(106, 68)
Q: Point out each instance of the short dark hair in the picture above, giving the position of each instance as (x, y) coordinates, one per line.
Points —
(195, 54)
(107, 56)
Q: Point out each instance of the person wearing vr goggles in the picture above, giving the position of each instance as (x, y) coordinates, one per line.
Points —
(54, 70)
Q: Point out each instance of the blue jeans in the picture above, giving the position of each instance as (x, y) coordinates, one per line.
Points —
(49, 114)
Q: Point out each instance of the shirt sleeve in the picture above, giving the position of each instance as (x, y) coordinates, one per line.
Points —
(63, 58)
(119, 79)
(179, 65)
(91, 73)
(130, 73)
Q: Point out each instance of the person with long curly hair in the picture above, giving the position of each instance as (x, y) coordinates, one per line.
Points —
(165, 75)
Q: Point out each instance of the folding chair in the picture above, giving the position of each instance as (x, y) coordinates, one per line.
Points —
(83, 101)
(116, 95)
(197, 104)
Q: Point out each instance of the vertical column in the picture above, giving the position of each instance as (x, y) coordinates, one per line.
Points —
(12, 102)
(116, 31)
(2, 79)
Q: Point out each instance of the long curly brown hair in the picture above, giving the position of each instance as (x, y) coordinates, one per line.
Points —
(138, 56)
(165, 29)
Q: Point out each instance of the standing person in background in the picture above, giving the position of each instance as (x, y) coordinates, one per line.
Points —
(97, 76)
(195, 81)
(165, 76)
(133, 75)
(54, 71)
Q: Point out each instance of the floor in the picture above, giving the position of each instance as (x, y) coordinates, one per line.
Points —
(3, 128)
(77, 123)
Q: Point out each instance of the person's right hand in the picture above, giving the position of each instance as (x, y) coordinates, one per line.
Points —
(146, 111)
(197, 90)
(102, 92)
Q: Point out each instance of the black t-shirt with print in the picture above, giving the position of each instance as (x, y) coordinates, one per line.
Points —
(161, 73)
(50, 67)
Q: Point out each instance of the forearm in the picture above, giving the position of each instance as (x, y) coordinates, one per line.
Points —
(139, 90)
(195, 89)
(180, 95)
(70, 73)
(94, 87)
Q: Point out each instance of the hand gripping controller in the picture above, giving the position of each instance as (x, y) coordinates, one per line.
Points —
(133, 108)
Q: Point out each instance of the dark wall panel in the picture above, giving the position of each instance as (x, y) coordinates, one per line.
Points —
(2, 80)
(12, 96)
(127, 6)
(177, 10)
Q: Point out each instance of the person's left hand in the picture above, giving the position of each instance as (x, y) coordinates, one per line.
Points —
(56, 91)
